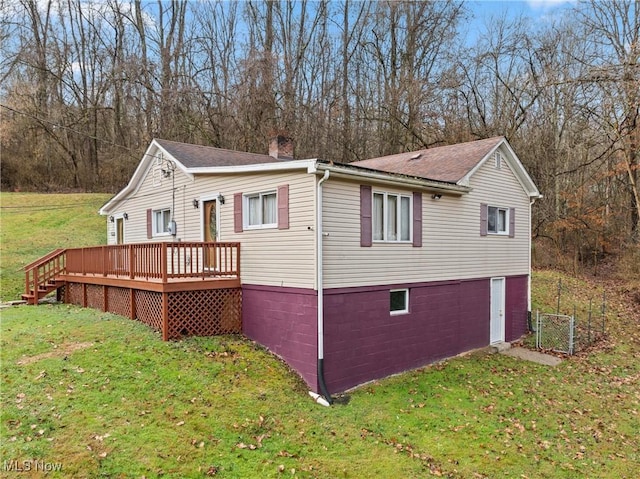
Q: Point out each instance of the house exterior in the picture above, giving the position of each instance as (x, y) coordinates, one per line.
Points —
(351, 272)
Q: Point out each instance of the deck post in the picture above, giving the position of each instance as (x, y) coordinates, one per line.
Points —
(132, 303)
(105, 298)
(36, 286)
(165, 316)
(131, 258)
(104, 261)
(27, 289)
(237, 248)
(163, 264)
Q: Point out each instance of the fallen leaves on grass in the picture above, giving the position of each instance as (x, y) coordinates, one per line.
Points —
(60, 351)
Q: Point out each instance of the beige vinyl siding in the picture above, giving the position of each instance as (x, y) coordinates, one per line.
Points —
(268, 256)
(452, 245)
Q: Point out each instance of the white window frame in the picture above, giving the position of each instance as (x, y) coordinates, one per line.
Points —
(497, 210)
(406, 302)
(386, 234)
(246, 214)
(156, 225)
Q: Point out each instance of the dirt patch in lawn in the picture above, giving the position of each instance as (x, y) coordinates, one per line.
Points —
(60, 352)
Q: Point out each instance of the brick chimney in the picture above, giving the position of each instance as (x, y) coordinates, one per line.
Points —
(281, 147)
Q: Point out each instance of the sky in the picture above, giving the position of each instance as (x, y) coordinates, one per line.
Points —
(535, 9)
(538, 11)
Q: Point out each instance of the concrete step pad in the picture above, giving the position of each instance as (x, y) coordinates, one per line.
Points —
(533, 356)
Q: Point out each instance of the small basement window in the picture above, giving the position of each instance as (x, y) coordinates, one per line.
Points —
(399, 301)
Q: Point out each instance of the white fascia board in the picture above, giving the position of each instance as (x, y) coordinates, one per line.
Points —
(284, 165)
(521, 173)
(138, 176)
(514, 163)
(387, 178)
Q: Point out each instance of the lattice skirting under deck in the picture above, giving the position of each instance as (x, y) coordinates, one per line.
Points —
(207, 312)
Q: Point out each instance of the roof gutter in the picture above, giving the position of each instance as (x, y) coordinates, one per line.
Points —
(345, 171)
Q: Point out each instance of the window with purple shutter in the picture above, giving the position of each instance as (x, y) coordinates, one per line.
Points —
(495, 220)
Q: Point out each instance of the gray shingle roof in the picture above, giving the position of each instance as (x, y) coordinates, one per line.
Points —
(197, 156)
(445, 163)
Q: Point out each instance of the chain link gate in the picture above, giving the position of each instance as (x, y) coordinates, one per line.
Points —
(555, 332)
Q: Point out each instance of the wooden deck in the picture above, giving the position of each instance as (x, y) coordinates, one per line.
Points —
(180, 288)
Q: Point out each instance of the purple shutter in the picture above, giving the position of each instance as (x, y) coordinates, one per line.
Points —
(283, 207)
(512, 222)
(417, 219)
(149, 224)
(365, 216)
(237, 213)
(484, 219)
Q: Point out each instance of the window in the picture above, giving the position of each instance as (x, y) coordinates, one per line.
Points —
(391, 217)
(261, 210)
(161, 220)
(399, 301)
(497, 220)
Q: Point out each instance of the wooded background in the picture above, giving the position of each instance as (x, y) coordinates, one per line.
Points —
(85, 86)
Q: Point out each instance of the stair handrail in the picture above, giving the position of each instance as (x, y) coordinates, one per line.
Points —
(54, 258)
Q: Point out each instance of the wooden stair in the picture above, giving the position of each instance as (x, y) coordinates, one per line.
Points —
(33, 297)
(42, 276)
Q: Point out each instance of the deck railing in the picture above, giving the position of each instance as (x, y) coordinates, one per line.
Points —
(158, 261)
(44, 270)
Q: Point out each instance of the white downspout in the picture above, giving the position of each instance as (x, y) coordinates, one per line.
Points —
(325, 398)
(531, 202)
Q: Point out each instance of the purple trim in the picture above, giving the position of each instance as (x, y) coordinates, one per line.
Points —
(366, 231)
(285, 321)
(387, 287)
(417, 219)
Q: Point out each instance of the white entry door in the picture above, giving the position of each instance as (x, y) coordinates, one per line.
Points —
(496, 334)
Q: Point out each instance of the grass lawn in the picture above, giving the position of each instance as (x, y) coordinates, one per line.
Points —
(32, 224)
(90, 394)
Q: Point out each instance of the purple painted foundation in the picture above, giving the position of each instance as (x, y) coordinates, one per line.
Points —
(285, 321)
(363, 341)
(516, 306)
